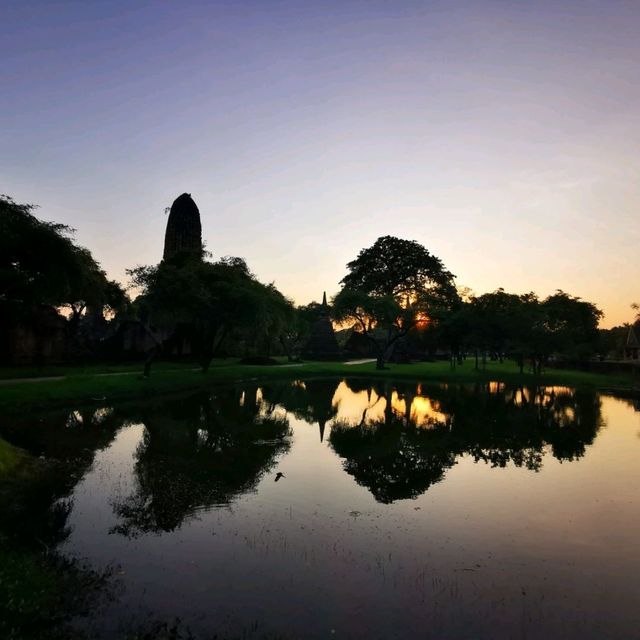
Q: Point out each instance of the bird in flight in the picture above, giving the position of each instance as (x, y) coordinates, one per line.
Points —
(279, 475)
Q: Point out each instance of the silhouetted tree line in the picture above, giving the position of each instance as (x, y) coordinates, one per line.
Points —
(502, 325)
(397, 297)
(397, 290)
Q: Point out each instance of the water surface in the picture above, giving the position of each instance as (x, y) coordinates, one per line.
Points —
(404, 511)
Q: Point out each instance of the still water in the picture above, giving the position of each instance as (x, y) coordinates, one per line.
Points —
(403, 510)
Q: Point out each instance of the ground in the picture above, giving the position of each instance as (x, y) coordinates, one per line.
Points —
(22, 389)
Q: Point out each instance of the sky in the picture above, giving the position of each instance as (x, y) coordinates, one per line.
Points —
(503, 136)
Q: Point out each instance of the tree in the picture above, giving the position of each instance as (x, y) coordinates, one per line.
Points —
(392, 287)
(205, 302)
(570, 325)
(41, 266)
(525, 327)
(495, 322)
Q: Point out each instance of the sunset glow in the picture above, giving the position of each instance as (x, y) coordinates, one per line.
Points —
(503, 136)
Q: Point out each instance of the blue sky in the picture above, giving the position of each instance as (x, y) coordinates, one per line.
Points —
(504, 136)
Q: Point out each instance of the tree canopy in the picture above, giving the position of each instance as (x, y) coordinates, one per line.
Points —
(209, 301)
(392, 287)
(396, 268)
(41, 264)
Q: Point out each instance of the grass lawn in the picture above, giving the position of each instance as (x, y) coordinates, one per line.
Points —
(54, 370)
(10, 458)
(90, 384)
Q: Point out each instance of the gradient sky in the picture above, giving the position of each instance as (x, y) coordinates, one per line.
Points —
(504, 136)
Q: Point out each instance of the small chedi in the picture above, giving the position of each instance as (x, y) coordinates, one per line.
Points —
(322, 343)
(184, 230)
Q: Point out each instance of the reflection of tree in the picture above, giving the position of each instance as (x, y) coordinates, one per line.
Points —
(396, 457)
(392, 459)
(516, 425)
(197, 452)
(206, 449)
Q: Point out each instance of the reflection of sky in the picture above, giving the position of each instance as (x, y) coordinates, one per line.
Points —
(356, 407)
(503, 136)
(352, 405)
(367, 407)
(300, 556)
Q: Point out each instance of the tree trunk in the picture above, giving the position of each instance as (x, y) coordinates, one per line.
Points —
(151, 356)
(205, 362)
(285, 347)
(207, 354)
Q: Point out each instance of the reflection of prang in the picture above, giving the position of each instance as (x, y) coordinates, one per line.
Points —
(311, 401)
(320, 397)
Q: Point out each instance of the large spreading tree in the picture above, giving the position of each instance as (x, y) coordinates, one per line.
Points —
(206, 302)
(390, 288)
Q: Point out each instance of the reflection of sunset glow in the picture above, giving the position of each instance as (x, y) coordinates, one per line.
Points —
(352, 405)
(358, 407)
(549, 393)
(424, 412)
(542, 396)
(521, 396)
(398, 404)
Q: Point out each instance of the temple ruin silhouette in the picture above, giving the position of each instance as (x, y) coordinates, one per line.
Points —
(322, 343)
(184, 230)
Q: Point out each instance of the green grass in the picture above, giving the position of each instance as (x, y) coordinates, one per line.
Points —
(39, 593)
(11, 373)
(88, 385)
(10, 458)
(27, 588)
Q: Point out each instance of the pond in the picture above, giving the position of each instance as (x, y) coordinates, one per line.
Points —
(345, 508)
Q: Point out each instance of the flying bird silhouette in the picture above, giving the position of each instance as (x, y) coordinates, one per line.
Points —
(279, 475)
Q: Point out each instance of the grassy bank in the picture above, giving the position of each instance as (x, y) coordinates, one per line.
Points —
(81, 385)
(39, 590)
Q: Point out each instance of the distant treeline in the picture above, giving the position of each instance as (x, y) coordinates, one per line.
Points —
(396, 302)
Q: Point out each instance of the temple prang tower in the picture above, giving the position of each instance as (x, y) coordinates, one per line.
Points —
(184, 230)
